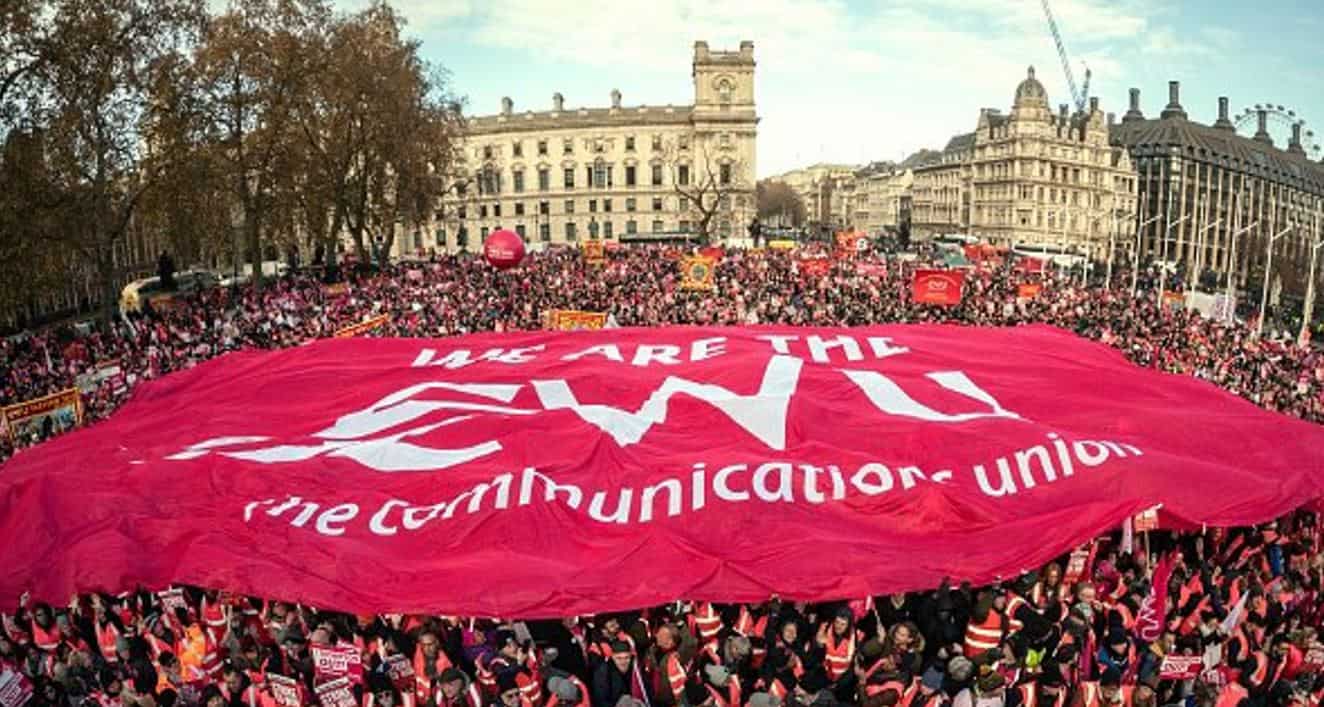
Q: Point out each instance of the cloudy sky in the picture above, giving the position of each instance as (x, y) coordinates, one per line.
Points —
(853, 80)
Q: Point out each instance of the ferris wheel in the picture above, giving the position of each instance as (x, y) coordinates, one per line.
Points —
(1247, 122)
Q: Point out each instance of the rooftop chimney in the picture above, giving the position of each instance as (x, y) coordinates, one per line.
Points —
(1294, 145)
(1094, 105)
(1112, 119)
(1173, 109)
(1133, 113)
(615, 98)
(1223, 123)
(1262, 134)
(558, 102)
(507, 105)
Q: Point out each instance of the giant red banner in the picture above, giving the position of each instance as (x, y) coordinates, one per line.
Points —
(545, 474)
(937, 287)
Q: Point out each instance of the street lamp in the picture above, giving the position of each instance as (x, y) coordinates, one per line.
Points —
(1135, 255)
(1268, 271)
(1232, 258)
(1310, 285)
(1199, 239)
(1163, 267)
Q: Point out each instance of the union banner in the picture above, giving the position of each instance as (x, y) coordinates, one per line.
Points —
(851, 243)
(938, 287)
(573, 320)
(697, 273)
(594, 252)
(44, 417)
(1028, 290)
(363, 326)
(817, 267)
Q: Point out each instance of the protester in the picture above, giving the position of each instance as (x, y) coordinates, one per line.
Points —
(1248, 603)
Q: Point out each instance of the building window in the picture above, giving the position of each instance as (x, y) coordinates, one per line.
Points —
(544, 208)
(441, 237)
(569, 177)
(569, 206)
(496, 210)
(629, 143)
(462, 237)
(483, 233)
(545, 232)
(461, 211)
(592, 206)
(725, 173)
(517, 178)
(567, 146)
(542, 148)
(684, 226)
(519, 208)
(482, 211)
(570, 230)
(487, 152)
(519, 228)
(601, 175)
(629, 175)
(657, 226)
(544, 179)
(657, 203)
(631, 227)
(606, 205)
(657, 143)
(606, 229)
(683, 175)
(657, 175)
(684, 142)
(517, 148)
(630, 204)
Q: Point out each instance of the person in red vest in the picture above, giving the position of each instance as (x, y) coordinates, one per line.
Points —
(566, 691)
(618, 678)
(457, 690)
(236, 688)
(1107, 692)
(669, 662)
(509, 693)
(987, 625)
(838, 640)
(430, 661)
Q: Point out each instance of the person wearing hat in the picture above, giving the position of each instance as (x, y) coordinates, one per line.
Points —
(618, 677)
(455, 689)
(1118, 651)
(567, 691)
(509, 690)
(430, 662)
(927, 691)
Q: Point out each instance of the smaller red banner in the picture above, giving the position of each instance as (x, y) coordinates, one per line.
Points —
(362, 327)
(401, 672)
(1181, 667)
(871, 269)
(1028, 290)
(331, 662)
(15, 688)
(941, 287)
(716, 253)
(816, 267)
(1030, 265)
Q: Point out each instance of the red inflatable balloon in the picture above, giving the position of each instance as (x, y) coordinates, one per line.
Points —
(503, 249)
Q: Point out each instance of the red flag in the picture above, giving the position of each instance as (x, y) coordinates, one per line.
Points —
(362, 474)
(816, 267)
(1153, 610)
(938, 287)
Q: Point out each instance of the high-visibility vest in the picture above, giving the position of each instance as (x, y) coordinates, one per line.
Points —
(1232, 695)
(15, 632)
(107, 635)
(469, 697)
(778, 690)
(748, 627)
(156, 645)
(980, 637)
(706, 622)
(529, 686)
(249, 695)
(1261, 677)
(675, 674)
(1014, 602)
(839, 653)
(871, 690)
(46, 640)
(212, 614)
(732, 698)
(1092, 695)
(1029, 695)
(422, 683)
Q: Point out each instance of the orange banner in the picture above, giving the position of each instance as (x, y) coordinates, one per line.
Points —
(1028, 290)
(362, 327)
(697, 273)
(45, 416)
(339, 288)
(851, 243)
(938, 287)
(594, 252)
(573, 320)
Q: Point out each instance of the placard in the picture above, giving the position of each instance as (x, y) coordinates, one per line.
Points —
(1181, 667)
(336, 693)
(284, 690)
(330, 662)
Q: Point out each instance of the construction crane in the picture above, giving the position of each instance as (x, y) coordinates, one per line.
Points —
(1080, 96)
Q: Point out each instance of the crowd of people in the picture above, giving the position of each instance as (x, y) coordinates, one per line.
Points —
(1247, 603)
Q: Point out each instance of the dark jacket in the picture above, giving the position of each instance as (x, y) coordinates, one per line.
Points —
(610, 684)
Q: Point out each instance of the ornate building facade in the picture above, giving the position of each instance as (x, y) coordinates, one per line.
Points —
(617, 173)
(1215, 200)
(1030, 178)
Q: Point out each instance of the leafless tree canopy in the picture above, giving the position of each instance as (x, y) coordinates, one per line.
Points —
(777, 201)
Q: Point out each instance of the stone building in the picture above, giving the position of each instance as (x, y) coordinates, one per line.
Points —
(1029, 178)
(826, 190)
(1204, 188)
(882, 193)
(623, 172)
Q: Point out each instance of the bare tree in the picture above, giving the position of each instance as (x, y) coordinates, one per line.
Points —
(706, 184)
(777, 200)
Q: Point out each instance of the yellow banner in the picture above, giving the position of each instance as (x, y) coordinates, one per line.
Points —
(781, 245)
(362, 327)
(573, 320)
(45, 416)
(697, 273)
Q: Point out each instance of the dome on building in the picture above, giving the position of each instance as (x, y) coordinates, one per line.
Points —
(1030, 91)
